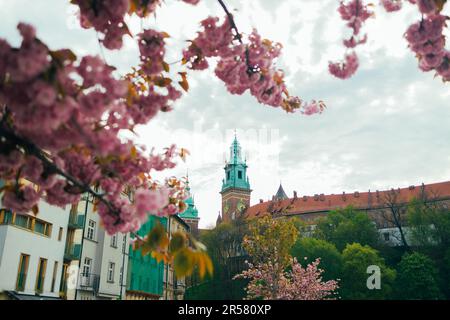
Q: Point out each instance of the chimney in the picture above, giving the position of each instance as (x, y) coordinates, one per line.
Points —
(261, 200)
(295, 194)
(343, 196)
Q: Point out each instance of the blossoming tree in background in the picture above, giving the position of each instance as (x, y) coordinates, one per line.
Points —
(61, 116)
(296, 284)
(272, 272)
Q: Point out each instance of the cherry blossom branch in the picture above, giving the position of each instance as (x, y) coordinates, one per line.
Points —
(250, 68)
(33, 150)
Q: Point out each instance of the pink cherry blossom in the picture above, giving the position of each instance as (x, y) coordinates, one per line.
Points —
(268, 283)
(392, 5)
(22, 200)
(345, 69)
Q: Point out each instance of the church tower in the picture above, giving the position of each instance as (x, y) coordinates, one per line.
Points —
(236, 186)
(190, 215)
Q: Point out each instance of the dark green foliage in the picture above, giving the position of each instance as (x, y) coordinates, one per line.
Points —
(417, 278)
(356, 259)
(224, 244)
(345, 226)
(311, 248)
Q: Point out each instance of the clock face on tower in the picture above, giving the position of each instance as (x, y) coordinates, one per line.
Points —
(240, 205)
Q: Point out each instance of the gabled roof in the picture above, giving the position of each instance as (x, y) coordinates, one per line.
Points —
(359, 200)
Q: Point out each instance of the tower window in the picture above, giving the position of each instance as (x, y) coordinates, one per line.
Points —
(239, 174)
(228, 175)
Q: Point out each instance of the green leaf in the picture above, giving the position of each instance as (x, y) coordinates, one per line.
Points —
(183, 262)
(177, 242)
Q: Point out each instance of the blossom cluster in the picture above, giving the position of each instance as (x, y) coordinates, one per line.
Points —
(106, 17)
(144, 99)
(244, 67)
(391, 5)
(355, 12)
(63, 115)
(299, 283)
(426, 40)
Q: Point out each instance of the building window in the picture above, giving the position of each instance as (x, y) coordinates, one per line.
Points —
(228, 175)
(239, 174)
(42, 227)
(111, 267)
(63, 282)
(5, 216)
(124, 244)
(26, 222)
(91, 230)
(87, 267)
(22, 272)
(60, 233)
(55, 271)
(386, 236)
(114, 241)
(42, 266)
(22, 221)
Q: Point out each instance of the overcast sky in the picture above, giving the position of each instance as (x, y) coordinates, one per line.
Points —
(388, 126)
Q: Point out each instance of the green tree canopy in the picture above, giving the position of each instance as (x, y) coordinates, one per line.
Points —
(430, 224)
(417, 278)
(224, 245)
(270, 239)
(344, 226)
(306, 250)
(356, 259)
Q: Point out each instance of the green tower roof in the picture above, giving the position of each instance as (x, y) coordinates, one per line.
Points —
(191, 211)
(236, 169)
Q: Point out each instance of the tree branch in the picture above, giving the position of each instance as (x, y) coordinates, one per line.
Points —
(250, 68)
(31, 149)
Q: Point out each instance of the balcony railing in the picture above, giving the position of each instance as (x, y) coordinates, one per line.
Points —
(89, 281)
(72, 252)
(76, 221)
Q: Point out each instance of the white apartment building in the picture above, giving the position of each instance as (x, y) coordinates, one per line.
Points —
(32, 252)
(60, 253)
(97, 274)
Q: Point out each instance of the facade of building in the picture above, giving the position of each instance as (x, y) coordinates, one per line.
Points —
(235, 186)
(100, 271)
(32, 252)
(145, 274)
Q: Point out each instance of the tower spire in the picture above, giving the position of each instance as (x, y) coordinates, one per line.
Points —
(236, 186)
(280, 195)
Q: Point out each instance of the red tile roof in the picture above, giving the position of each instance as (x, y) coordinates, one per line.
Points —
(360, 200)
